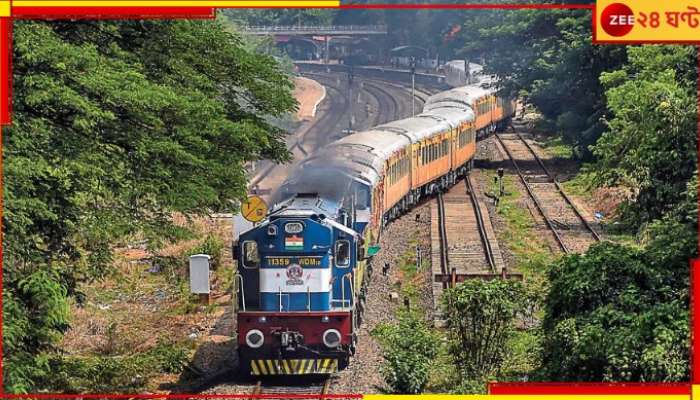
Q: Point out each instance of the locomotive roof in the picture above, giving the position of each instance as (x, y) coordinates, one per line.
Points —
(463, 95)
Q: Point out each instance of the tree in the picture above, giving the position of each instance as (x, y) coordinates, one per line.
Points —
(116, 126)
(620, 313)
(651, 141)
(547, 58)
(480, 317)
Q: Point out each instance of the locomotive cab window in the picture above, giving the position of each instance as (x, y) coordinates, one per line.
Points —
(342, 253)
(251, 257)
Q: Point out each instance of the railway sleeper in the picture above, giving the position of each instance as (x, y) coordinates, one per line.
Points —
(440, 184)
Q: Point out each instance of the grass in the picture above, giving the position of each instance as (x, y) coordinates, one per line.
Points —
(556, 147)
(531, 251)
(580, 186)
(135, 321)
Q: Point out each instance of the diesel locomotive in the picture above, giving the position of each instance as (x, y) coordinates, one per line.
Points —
(303, 271)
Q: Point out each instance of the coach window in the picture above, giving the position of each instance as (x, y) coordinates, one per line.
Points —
(342, 253)
(251, 257)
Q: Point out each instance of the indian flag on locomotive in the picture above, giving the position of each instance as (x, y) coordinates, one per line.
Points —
(294, 242)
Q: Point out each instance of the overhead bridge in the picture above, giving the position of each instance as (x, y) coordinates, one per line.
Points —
(332, 30)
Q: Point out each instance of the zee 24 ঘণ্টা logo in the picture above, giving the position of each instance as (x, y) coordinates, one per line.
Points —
(653, 20)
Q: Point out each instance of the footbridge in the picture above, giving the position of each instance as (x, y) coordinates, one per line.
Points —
(321, 30)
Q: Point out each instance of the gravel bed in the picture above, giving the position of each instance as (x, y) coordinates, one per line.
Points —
(363, 374)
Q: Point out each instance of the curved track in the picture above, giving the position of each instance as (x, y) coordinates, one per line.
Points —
(392, 101)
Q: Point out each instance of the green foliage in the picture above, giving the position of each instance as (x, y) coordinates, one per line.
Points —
(618, 313)
(213, 246)
(408, 348)
(480, 318)
(547, 57)
(35, 313)
(114, 374)
(651, 143)
(116, 126)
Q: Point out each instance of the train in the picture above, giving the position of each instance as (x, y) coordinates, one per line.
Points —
(301, 281)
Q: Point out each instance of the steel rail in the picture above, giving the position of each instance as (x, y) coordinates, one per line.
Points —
(538, 205)
(560, 189)
(394, 103)
(480, 224)
(444, 258)
(327, 118)
(258, 390)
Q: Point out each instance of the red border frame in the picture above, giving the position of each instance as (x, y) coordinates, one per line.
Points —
(495, 388)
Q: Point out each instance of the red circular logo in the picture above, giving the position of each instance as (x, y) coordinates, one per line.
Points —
(617, 19)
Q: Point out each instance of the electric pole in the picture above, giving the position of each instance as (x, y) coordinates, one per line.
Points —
(413, 86)
(351, 77)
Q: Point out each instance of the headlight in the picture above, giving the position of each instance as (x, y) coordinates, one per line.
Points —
(254, 338)
(293, 227)
(331, 338)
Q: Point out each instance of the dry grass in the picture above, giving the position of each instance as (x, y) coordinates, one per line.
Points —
(136, 307)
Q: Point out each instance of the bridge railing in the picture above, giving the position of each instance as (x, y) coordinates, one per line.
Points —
(316, 28)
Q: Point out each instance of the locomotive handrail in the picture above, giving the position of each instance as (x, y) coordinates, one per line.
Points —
(308, 298)
(347, 276)
(236, 279)
(280, 295)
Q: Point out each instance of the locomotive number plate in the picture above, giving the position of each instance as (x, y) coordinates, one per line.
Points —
(284, 261)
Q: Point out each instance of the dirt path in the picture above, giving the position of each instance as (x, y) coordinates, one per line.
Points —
(309, 94)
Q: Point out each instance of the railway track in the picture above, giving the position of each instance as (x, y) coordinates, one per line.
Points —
(333, 116)
(330, 118)
(386, 94)
(391, 106)
(570, 228)
(312, 391)
(465, 247)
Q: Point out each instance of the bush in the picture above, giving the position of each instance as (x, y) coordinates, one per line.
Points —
(618, 313)
(212, 246)
(100, 374)
(480, 318)
(408, 350)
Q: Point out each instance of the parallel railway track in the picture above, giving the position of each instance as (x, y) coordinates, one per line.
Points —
(570, 229)
(464, 246)
(328, 119)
